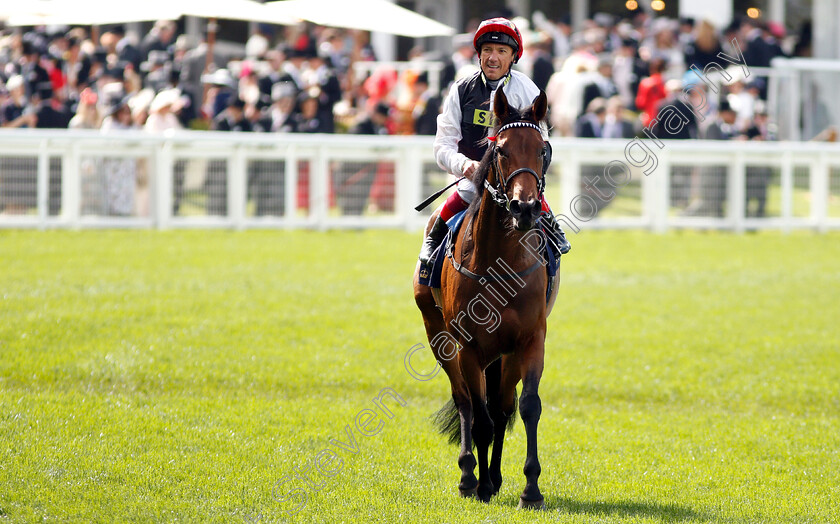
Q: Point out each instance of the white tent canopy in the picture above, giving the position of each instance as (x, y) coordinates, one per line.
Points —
(99, 12)
(369, 15)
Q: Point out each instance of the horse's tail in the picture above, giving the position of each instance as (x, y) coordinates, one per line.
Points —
(448, 421)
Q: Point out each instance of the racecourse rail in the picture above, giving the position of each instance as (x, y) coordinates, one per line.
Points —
(81, 179)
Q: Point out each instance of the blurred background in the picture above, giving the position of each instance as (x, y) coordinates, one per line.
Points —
(320, 113)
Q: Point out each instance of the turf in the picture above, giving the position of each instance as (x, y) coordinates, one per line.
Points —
(181, 376)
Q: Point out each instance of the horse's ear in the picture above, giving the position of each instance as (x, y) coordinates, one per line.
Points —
(540, 106)
(500, 105)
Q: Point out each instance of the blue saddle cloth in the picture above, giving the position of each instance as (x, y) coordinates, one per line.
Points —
(432, 278)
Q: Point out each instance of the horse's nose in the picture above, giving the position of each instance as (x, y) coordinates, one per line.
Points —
(525, 213)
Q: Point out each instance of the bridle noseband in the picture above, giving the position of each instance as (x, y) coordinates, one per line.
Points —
(499, 192)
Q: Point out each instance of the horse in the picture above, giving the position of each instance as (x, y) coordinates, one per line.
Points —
(487, 345)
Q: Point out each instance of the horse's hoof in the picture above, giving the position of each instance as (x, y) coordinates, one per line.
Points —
(485, 493)
(468, 493)
(531, 504)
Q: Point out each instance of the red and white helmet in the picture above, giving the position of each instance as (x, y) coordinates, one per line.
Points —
(499, 31)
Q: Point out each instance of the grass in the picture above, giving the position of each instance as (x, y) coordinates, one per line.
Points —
(178, 376)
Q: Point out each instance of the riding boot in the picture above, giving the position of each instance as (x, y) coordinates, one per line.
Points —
(557, 236)
(433, 240)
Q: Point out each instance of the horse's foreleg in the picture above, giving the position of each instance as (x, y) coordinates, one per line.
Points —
(482, 427)
(466, 460)
(502, 378)
(530, 408)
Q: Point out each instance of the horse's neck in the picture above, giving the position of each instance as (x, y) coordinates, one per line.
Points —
(491, 238)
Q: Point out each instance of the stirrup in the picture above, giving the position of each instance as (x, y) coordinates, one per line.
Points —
(432, 241)
(557, 237)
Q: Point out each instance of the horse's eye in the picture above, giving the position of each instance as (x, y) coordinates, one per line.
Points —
(501, 152)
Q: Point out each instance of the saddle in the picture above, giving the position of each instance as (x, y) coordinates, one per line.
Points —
(431, 277)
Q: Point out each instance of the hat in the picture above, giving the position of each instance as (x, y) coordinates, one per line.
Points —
(14, 82)
(167, 97)
(141, 101)
(156, 58)
(219, 77)
(724, 106)
(462, 40)
(283, 90)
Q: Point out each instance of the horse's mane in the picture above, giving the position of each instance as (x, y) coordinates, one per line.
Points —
(480, 174)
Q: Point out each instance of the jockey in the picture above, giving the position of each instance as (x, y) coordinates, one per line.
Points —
(467, 115)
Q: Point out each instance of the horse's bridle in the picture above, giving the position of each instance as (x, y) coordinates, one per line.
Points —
(499, 192)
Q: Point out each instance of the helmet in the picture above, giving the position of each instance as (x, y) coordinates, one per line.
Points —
(499, 31)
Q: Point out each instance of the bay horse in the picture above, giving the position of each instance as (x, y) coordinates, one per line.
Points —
(485, 360)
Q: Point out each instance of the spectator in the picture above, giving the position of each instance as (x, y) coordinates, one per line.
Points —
(309, 119)
(591, 123)
(599, 84)
(87, 114)
(35, 77)
(758, 177)
(616, 124)
(159, 38)
(276, 60)
(651, 91)
(318, 77)
(278, 118)
(628, 71)
(156, 68)
(375, 123)
(705, 47)
(233, 118)
(117, 113)
(426, 108)
(16, 111)
(51, 112)
(162, 112)
(463, 57)
(710, 183)
(663, 45)
(688, 126)
(219, 93)
(542, 66)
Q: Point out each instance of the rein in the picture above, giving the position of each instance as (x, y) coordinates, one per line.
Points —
(499, 192)
(499, 195)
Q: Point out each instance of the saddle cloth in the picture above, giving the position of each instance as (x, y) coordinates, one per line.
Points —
(431, 277)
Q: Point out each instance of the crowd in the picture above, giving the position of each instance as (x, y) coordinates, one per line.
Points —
(607, 80)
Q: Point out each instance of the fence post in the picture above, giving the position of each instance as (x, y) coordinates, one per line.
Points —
(237, 188)
(319, 188)
(656, 197)
(787, 191)
(409, 186)
(290, 184)
(70, 187)
(736, 191)
(43, 182)
(819, 192)
(163, 184)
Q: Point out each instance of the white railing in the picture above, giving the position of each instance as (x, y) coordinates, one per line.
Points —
(62, 179)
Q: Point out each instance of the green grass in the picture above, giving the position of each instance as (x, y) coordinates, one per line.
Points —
(177, 376)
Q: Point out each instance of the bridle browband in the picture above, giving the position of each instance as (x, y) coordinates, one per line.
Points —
(499, 196)
(499, 192)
